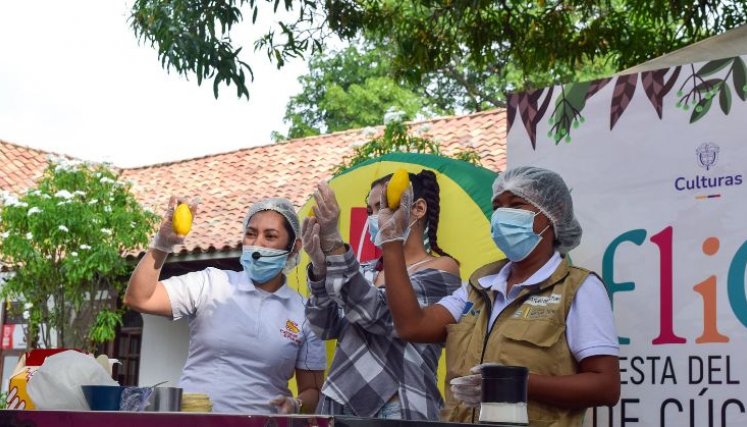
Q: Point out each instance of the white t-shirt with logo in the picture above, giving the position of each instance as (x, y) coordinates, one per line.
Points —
(244, 343)
(590, 325)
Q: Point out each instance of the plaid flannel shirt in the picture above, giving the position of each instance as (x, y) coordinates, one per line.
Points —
(371, 364)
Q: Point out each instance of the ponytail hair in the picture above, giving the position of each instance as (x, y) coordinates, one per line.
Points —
(425, 186)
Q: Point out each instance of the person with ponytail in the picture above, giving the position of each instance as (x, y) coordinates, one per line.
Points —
(374, 373)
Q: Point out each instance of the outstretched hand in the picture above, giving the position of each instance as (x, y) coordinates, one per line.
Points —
(327, 212)
(310, 237)
(166, 238)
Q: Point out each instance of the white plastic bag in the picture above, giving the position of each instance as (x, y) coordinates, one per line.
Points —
(56, 384)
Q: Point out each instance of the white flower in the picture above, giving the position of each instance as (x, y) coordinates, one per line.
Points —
(79, 193)
(33, 210)
(26, 314)
(93, 201)
(393, 115)
(27, 306)
(85, 247)
(106, 231)
(5, 234)
(29, 236)
(107, 209)
(46, 196)
(63, 228)
(73, 253)
(64, 194)
(63, 203)
(106, 180)
(132, 224)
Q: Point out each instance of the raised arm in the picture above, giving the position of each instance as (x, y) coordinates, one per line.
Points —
(411, 321)
(144, 292)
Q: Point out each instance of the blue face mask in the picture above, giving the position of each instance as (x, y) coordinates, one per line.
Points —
(263, 264)
(513, 232)
(373, 227)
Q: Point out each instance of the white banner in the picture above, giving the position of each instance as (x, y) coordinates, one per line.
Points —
(657, 164)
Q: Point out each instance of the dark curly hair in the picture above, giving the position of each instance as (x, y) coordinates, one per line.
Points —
(425, 186)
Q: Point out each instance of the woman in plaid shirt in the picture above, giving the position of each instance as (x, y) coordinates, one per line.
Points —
(374, 373)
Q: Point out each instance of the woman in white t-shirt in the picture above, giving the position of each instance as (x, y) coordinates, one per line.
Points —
(248, 331)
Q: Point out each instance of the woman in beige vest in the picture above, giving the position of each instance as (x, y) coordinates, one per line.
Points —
(532, 309)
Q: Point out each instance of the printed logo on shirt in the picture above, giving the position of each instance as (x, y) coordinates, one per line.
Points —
(291, 331)
(537, 300)
(469, 309)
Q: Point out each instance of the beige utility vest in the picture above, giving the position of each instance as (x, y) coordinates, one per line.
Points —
(529, 332)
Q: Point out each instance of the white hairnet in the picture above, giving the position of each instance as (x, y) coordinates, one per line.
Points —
(547, 191)
(285, 208)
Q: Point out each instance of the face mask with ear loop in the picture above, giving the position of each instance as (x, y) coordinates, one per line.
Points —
(513, 232)
(263, 264)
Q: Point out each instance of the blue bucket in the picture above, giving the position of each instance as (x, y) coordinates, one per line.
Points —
(103, 397)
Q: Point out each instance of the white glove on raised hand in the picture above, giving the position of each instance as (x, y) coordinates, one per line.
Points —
(310, 237)
(394, 225)
(165, 239)
(286, 404)
(327, 212)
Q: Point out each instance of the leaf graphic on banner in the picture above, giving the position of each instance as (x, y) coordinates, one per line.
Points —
(543, 108)
(724, 98)
(530, 113)
(621, 96)
(653, 85)
(740, 78)
(513, 103)
(596, 86)
(672, 79)
(714, 66)
(708, 85)
(701, 109)
(567, 111)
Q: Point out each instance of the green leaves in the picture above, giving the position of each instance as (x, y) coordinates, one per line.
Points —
(538, 41)
(698, 93)
(396, 138)
(65, 240)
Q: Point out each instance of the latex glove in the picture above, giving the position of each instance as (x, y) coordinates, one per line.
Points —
(310, 237)
(467, 389)
(165, 239)
(394, 225)
(286, 404)
(327, 212)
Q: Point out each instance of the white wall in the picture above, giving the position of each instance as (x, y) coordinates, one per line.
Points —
(163, 351)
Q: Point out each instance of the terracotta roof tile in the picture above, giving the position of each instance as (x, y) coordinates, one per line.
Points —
(229, 182)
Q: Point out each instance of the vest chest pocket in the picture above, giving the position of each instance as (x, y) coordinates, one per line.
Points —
(538, 333)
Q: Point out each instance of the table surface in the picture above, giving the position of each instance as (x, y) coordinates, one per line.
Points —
(10, 418)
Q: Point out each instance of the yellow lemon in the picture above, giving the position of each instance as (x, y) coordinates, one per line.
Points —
(397, 184)
(182, 219)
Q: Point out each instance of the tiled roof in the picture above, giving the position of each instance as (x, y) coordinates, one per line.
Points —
(229, 182)
(20, 166)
